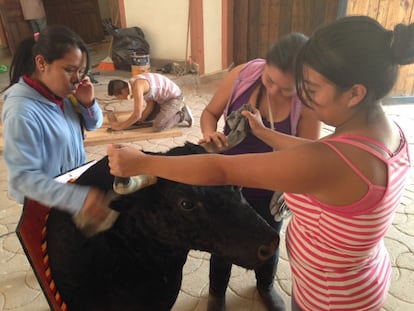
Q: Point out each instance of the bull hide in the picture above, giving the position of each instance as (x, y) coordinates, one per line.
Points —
(137, 264)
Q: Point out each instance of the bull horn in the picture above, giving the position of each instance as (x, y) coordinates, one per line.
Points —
(134, 183)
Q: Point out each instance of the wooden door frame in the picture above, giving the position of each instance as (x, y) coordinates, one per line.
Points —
(227, 19)
(3, 37)
(122, 16)
(10, 21)
(197, 33)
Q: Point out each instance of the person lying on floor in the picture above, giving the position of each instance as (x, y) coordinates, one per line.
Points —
(164, 101)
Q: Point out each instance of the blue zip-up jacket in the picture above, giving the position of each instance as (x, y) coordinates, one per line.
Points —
(40, 143)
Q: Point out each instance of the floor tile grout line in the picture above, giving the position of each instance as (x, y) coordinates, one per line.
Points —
(7, 234)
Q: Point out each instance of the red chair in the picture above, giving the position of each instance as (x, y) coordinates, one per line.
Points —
(31, 232)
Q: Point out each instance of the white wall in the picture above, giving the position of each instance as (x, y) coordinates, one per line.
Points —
(164, 23)
(212, 35)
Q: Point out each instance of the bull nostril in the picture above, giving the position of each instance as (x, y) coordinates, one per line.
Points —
(264, 252)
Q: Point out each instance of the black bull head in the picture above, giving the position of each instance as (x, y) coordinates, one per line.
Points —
(137, 263)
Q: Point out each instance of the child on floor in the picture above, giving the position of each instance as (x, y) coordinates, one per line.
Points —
(164, 101)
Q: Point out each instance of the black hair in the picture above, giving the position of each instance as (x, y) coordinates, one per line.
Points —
(52, 43)
(282, 54)
(116, 86)
(357, 50)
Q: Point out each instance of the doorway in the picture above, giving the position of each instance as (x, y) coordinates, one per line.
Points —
(83, 16)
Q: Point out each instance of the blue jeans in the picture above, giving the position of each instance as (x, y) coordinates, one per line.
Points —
(295, 306)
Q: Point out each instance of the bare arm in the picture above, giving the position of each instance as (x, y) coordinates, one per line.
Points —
(301, 169)
(311, 168)
(309, 128)
(309, 125)
(148, 109)
(139, 88)
(211, 169)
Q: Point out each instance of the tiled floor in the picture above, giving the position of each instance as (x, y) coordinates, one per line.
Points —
(19, 290)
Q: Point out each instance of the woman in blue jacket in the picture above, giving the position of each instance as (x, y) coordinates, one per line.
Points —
(46, 106)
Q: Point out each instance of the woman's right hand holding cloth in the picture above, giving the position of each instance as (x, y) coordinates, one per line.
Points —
(273, 138)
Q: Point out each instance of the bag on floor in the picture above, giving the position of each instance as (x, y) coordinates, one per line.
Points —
(126, 41)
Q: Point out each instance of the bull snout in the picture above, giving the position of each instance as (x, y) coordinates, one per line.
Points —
(264, 252)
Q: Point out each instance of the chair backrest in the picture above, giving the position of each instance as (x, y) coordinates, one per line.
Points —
(31, 232)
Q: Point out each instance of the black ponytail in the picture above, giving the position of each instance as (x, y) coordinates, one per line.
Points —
(52, 43)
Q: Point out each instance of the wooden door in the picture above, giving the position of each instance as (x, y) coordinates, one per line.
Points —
(257, 24)
(388, 14)
(82, 16)
(15, 27)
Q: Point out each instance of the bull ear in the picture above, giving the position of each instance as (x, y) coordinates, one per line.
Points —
(122, 203)
(129, 185)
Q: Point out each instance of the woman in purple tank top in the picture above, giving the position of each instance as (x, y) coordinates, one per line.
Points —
(260, 83)
(343, 189)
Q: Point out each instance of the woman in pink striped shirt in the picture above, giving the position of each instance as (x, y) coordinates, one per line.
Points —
(343, 189)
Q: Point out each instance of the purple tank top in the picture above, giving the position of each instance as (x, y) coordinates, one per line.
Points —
(249, 77)
(252, 144)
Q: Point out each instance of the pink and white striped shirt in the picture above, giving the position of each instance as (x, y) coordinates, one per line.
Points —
(337, 254)
(162, 89)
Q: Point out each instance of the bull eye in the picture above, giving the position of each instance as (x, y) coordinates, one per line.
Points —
(186, 205)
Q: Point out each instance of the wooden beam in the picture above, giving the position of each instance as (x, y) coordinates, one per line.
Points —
(197, 33)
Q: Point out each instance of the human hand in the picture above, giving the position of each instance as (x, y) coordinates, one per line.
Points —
(95, 205)
(95, 215)
(116, 126)
(219, 139)
(124, 161)
(254, 118)
(85, 93)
